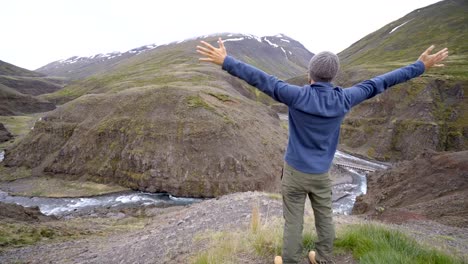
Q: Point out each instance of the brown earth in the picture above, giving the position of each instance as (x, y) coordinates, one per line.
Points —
(15, 213)
(433, 186)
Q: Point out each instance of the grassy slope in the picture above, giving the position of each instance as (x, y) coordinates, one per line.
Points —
(18, 87)
(369, 243)
(433, 102)
(443, 24)
(12, 70)
(16, 103)
(26, 81)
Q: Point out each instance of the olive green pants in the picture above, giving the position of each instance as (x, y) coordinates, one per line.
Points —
(296, 186)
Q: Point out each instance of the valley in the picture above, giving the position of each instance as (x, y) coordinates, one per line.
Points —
(150, 156)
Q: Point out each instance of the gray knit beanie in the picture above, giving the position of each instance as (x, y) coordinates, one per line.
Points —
(324, 66)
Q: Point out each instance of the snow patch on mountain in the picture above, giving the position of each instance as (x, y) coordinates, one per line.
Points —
(233, 39)
(254, 37)
(106, 56)
(399, 26)
(136, 51)
(271, 43)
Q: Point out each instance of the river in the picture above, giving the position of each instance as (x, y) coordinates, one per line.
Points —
(344, 193)
(351, 182)
(67, 206)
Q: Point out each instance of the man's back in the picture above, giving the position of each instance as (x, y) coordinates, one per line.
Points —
(314, 120)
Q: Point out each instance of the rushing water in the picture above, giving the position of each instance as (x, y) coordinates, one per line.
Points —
(345, 194)
(350, 190)
(64, 206)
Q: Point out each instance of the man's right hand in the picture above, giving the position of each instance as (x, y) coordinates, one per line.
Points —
(212, 54)
(432, 60)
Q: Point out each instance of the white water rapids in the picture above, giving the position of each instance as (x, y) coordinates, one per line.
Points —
(344, 193)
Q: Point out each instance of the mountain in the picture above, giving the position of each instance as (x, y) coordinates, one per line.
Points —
(18, 88)
(442, 24)
(77, 67)
(27, 82)
(162, 121)
(429, 112)
(278, 55)
(12, 70)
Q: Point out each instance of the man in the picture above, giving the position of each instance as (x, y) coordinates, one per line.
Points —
(315, 115)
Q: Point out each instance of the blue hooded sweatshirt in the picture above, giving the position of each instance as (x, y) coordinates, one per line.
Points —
(316, 111)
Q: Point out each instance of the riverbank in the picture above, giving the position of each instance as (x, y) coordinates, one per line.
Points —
(20, 181)
(178, 234)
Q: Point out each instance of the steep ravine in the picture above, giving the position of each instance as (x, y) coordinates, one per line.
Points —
(408, 119)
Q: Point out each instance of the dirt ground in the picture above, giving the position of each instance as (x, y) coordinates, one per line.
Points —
(434, 186)
(167, 235)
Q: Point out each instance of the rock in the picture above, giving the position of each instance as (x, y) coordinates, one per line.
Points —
(14, 213)
(5, 135)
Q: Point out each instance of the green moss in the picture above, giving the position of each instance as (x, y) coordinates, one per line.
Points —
(18, 234)
(371, 152)
(221, 96)
(228, 120)
(196, 101)
(275, 196)
(285, 125)
(18, 126)
(14, 173)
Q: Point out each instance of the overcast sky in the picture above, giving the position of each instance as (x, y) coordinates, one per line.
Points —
(37, 32)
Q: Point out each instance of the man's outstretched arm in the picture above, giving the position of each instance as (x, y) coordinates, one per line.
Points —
(376, 85)
(272, 86)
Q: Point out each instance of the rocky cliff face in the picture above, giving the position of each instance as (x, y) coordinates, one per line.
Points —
(189, 143)
(409, 118)
(432, 186)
